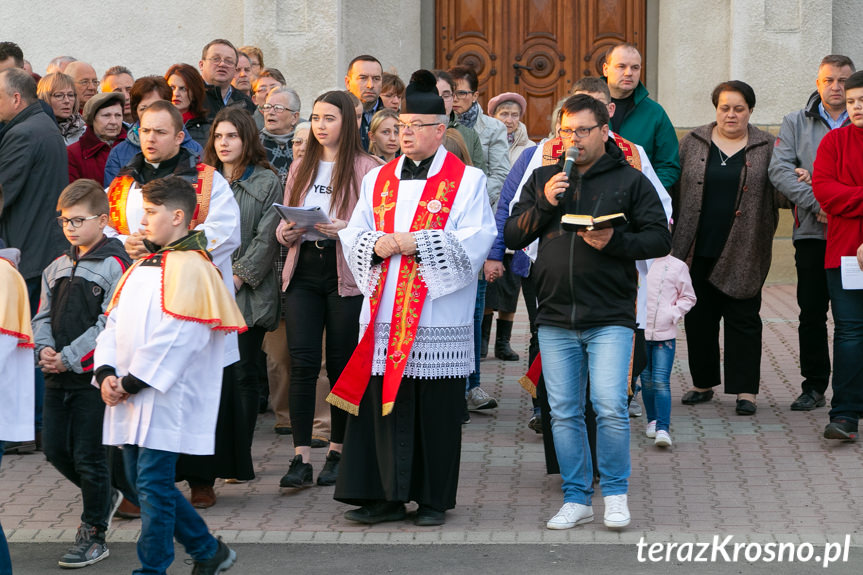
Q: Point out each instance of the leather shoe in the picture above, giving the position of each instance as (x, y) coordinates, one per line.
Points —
(808, 400)
(128, 510)
(693, 397)
(203, 496)
(377, 512)
(428, 517)
(745, 407)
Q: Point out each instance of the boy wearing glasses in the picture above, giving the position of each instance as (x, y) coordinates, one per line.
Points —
(76, 290)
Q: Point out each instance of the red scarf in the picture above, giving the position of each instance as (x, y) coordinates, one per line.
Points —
(432, 213)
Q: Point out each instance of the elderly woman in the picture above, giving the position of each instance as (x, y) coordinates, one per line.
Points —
(724, 231)
(509, 108)
(189, 96)
(58, 91)
(103, 114)
(281, 114)
(268, 79)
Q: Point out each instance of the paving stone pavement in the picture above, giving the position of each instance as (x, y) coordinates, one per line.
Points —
(765, 478)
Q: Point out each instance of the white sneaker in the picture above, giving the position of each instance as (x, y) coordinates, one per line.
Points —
(477, 398)
(616, 511)
(663, 439)
(650, 430)
(570, 515)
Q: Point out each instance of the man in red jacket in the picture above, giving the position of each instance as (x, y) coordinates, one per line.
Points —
(837, 181)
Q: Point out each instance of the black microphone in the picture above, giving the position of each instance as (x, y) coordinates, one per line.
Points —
(571, 157)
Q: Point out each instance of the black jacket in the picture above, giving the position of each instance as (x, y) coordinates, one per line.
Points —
(75, 293)
(215, 102)
(33, 171)
(579, 287)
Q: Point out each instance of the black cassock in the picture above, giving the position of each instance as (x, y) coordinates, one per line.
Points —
(412, 454)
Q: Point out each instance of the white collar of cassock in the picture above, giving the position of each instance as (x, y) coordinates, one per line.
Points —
(435, 167)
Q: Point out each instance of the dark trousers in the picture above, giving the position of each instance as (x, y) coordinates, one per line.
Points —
(247, 380)
(742, 335)
(847, 305)
(813, 299)
(528, 292)
(72, 441)
(313, 303)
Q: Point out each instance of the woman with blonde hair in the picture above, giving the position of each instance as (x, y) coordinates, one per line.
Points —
(384, 135)
(58, 91)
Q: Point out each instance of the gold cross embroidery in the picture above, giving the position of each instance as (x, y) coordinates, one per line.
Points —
(385, 206)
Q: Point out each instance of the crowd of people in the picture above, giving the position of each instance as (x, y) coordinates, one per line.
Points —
(174, 303)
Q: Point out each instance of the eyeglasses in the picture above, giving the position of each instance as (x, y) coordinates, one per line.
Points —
(277, 108)
(94, 83)
(460, 94)
(219, 61)
(76, 222)
(580, 132)
(66, 96)
(414, 126)
(298, 142)
(446, 95)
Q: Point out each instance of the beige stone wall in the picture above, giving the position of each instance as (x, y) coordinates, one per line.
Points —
(310, 41)
(774, 45)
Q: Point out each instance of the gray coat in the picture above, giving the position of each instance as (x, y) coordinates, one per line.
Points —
(33, 171)
(742, 266)
(492, 136)
(798, 141)
(258, 298)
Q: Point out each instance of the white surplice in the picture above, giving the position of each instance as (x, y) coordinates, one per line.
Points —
(222, 228)
(181, 361)
(17, 388)
(450, 261)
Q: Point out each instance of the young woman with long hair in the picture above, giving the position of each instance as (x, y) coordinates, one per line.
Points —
(384, 135)
(234, 149)
(189, 95)
(320, 292)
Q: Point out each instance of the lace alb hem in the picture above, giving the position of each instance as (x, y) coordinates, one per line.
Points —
(437, 352)
(360, 262)
(443, 263)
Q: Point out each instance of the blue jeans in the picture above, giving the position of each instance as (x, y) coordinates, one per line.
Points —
(655, 381)
(567, 358)
(5, 560)
(478, 311)
(165, 513)
(847, 307)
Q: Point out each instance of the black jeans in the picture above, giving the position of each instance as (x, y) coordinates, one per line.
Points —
(312, 303)
(246, 376)
(72, 441)
(813, 299)
(742, 335)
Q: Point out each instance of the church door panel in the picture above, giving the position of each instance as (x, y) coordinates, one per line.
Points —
(537, 48)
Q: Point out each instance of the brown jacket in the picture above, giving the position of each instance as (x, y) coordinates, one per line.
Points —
(363, 164)
(744, 262)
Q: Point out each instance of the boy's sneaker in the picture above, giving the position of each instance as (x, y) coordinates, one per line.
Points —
(663, 439)
(89, 548)
(478, 399)
(299, 474)
(650, 430)
(616, 511)
(221, 561)
(330, 472)
(535, 423)
(116, 500)
(570, 515)
(635, 408)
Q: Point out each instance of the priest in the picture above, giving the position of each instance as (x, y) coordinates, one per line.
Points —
(415, 243)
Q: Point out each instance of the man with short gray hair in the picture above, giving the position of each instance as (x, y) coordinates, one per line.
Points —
(86, 82)
(790, 171)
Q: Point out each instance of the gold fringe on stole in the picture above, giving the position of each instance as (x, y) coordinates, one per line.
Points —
(388, 408)
(528, 385)
(343, 404)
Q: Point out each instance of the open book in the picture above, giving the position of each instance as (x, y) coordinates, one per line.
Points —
(575, 222)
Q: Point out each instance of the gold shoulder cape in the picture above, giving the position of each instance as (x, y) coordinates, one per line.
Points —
(14, 305)
(192, 290)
